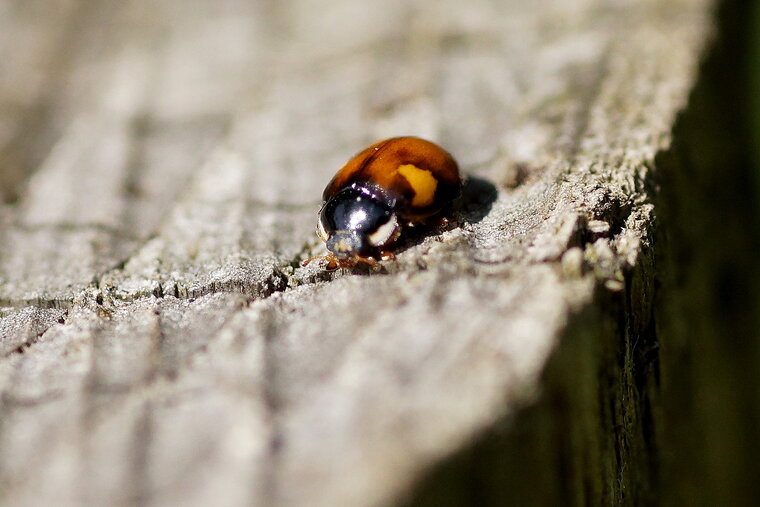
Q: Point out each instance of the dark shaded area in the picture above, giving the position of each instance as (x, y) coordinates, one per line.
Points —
(708, 312)
(478, 195)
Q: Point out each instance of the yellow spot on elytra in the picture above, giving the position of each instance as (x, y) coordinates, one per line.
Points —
(422, 182)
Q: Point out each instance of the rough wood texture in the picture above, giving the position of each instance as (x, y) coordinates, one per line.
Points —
(161, 165)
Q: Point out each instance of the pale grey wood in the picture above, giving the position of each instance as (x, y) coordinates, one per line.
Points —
(171, 161)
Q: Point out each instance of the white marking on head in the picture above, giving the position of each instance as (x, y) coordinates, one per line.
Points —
(321, 232)
(384, 232)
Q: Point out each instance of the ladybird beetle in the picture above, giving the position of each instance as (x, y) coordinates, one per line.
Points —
(398, 182)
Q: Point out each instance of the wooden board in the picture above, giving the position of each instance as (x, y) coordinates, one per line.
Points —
(161, 166)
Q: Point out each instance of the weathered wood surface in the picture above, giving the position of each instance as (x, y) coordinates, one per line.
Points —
(161, 165)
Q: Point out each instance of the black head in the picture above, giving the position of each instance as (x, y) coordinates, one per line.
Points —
(356, 221)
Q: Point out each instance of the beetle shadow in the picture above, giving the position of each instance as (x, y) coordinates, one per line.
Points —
(476, 201)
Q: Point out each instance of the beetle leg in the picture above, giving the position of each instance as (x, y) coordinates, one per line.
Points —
(310, 260)
(328, 262)
(437, 221)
